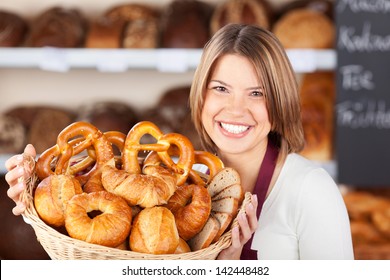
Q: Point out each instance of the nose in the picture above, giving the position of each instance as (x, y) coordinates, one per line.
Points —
(236, 104)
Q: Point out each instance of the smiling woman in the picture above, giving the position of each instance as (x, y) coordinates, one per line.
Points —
(246, 108)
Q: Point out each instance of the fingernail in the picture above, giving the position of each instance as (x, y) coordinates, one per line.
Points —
(19, 158)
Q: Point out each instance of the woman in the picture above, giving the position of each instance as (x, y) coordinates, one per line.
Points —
(246, 109)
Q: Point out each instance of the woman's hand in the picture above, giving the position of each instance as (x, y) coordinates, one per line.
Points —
(16, 170)
(247, 225)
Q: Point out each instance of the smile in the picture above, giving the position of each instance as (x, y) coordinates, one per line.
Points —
(234, 129)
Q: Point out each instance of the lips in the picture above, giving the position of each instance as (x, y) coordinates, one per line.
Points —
(234, 129)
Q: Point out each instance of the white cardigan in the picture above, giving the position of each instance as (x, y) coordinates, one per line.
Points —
(304, 216)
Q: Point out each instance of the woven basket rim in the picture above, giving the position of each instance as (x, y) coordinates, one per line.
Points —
(61, 246)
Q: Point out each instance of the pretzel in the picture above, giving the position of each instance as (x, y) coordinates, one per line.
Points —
(133, 146)
(67, 147)
(213, 163)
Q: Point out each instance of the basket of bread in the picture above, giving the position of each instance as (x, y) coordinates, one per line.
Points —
(92, 196)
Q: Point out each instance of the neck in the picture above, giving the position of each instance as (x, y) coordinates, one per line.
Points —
(247, 165)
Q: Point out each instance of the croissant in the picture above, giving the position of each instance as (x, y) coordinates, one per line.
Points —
(155, 187)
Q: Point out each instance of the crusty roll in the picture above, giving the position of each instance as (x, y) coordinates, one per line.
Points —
(110, 228)
(183, 247)
(105, 33)
(191, 206)
(305, 28)
(12, 135)
(256, 12)
(13, 29)
(154, 232)
(51, 196)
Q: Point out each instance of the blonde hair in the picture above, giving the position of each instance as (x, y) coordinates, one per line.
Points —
(274, 70)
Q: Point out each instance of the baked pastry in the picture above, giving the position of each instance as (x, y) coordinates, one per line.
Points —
(182, 247)
(58, 27)
(12, 135)
(191, 206)
(154, 232)
(110, 228)
(141, 28)
(256, 12)
(13, 29)
(318, 93)
(140, 189)
(185, 24)
(305, 28)
(51, 196)
(105, 33)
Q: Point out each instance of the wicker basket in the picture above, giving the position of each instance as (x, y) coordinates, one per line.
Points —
(62, 247)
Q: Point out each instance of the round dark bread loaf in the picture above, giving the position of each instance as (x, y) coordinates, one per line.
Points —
(13, 29)
(12, 135)
(185, 24)
(58, 27)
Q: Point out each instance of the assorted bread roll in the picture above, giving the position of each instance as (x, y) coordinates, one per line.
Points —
(152, 208)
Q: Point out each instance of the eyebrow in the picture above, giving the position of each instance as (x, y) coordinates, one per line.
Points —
(227, 85)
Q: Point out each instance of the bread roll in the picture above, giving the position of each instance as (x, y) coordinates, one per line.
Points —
(154, 232)
(325, 7)
(13, 29)
(305, 28)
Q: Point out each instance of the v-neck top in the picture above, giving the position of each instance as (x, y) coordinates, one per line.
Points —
(304, 216)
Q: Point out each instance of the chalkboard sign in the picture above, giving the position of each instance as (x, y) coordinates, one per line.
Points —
(363, 92)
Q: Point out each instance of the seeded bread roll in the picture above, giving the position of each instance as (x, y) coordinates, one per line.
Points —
(13, 29)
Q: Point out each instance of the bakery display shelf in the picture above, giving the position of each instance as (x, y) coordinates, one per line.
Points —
(119, 60)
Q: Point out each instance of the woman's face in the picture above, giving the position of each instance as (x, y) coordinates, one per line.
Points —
(234, 113)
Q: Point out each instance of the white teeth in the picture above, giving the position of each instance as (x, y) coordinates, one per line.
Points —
(235, 129)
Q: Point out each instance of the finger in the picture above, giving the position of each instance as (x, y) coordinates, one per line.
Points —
(245, 230)
(30, 150)
(15, 191)
(13, 161)
(236, 242)
(251, 210)
(12, 176)
(19, 209)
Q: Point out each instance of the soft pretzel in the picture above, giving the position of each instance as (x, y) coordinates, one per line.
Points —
(213, 163)
(191, 206)
(133, 145)
(64, 150)
(155, 187)
(110, 228)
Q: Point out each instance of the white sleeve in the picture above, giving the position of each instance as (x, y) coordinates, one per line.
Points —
(322, 220)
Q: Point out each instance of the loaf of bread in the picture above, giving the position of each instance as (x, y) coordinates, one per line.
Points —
(13, 29)
(141, 28)
(12, 135)
(205, 237)
(256, 12)
(325, 7)
(318, 95)
(105, 33)
(58, 27)
(185, 24)
(305, 28)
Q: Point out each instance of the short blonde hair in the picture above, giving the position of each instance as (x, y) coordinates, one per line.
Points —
(275, 73)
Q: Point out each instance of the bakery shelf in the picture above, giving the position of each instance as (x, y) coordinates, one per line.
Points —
(119, 60)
